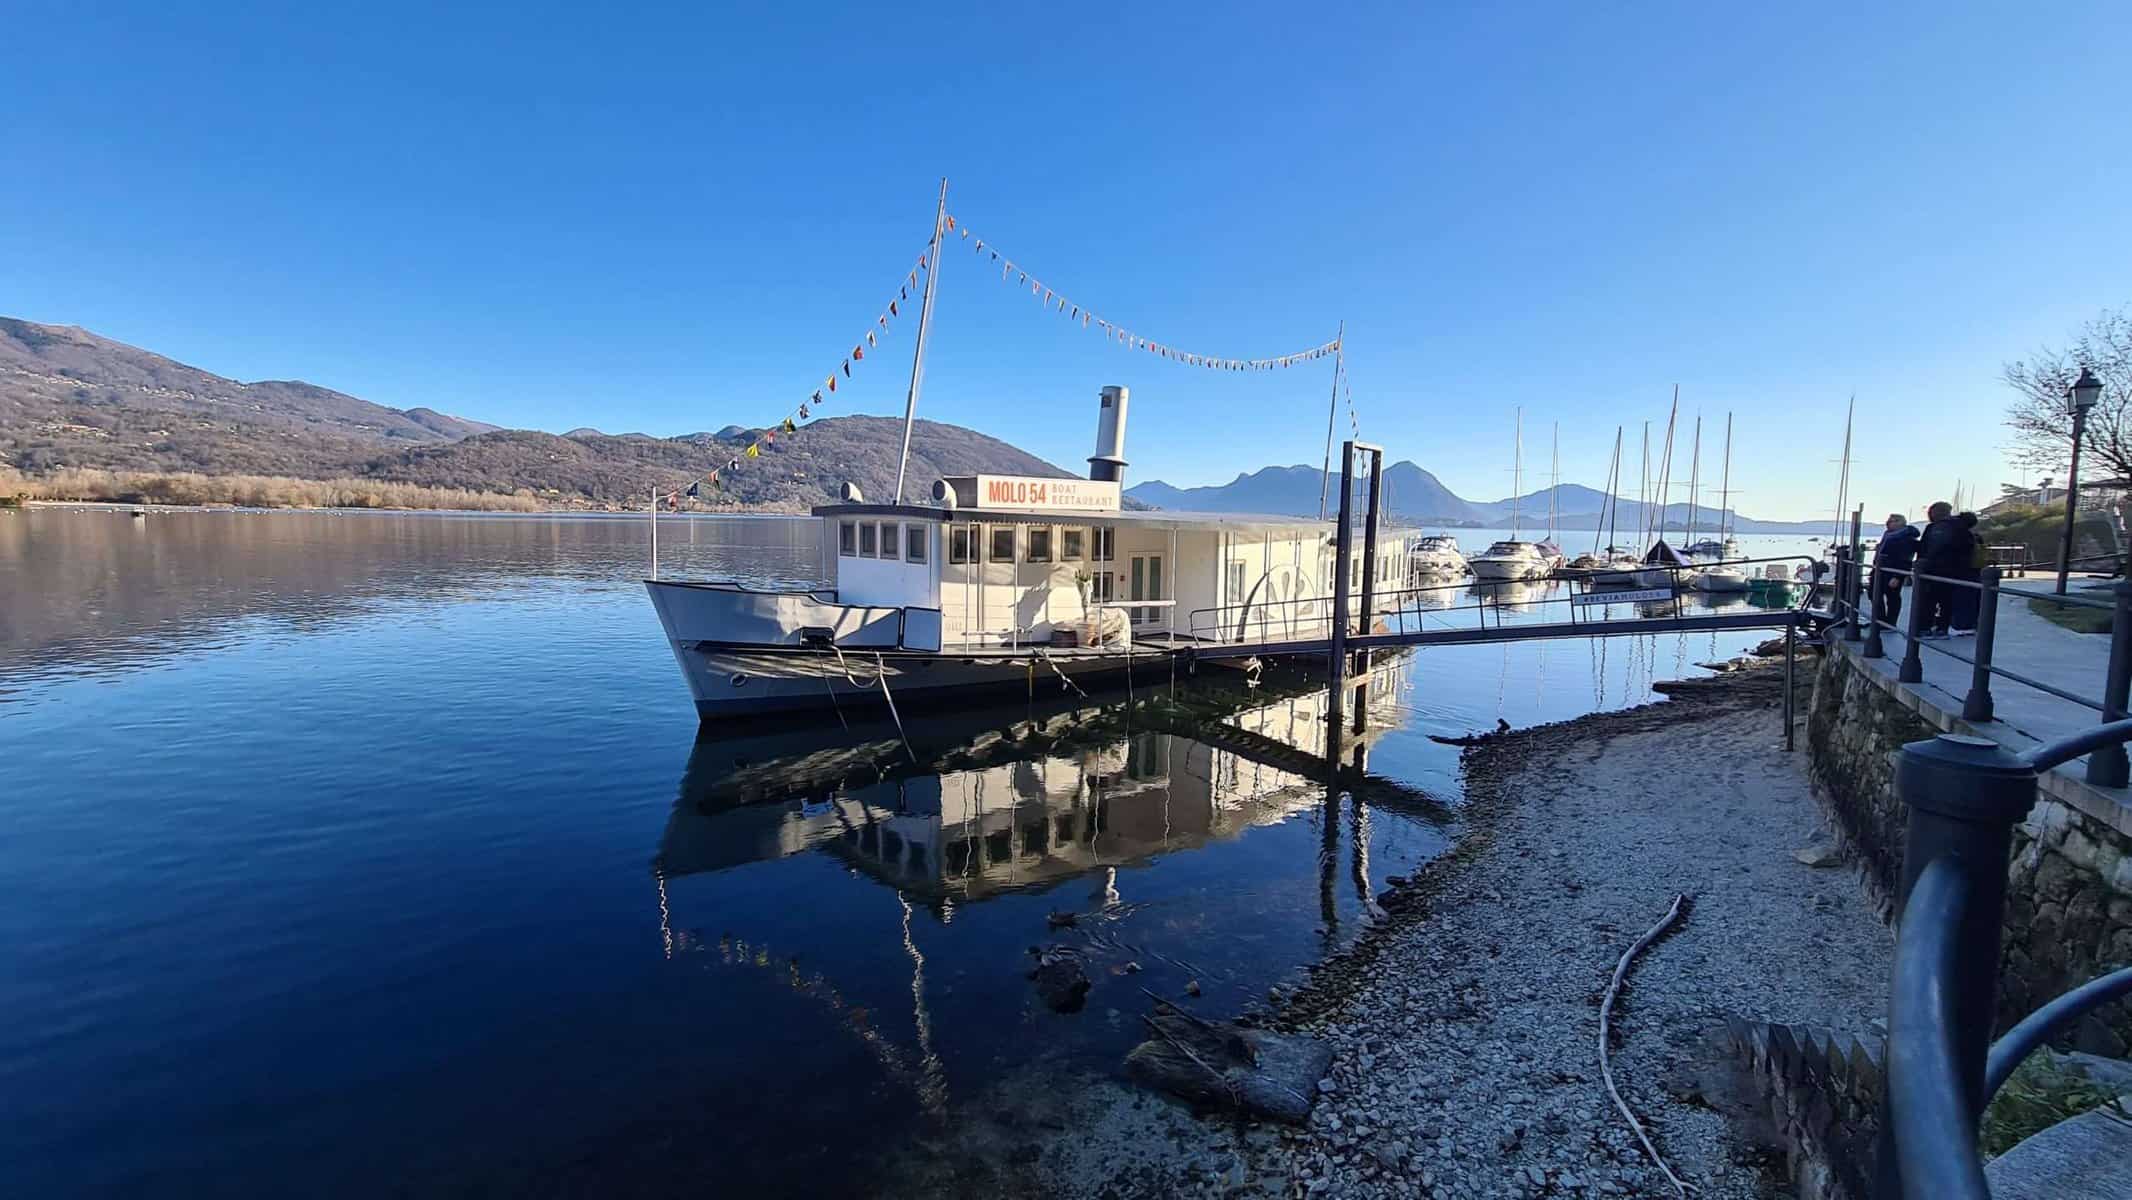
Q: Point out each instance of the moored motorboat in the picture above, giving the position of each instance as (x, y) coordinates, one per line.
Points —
(1508, 560)
(1435, 556)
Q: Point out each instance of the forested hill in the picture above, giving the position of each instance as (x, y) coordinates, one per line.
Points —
(72, 399)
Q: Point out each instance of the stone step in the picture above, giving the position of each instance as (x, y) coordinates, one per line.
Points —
(2089, 1155)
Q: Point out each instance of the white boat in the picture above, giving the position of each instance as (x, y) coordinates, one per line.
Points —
(1513, 559)
(1722, 578)
(1435, 556)
(1003, 582)
(1509, 560)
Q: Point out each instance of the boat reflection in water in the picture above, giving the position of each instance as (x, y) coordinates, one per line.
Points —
(974, 806)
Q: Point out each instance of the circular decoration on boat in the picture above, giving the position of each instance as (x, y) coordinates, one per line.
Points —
(738, 679)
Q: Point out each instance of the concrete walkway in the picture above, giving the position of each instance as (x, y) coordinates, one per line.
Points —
(2029, 645)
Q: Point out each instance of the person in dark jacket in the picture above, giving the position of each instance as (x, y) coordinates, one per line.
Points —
(1896, 552)
(1941, 550)
(1967, 600)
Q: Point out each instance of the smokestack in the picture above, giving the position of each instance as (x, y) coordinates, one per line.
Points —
(1107, 464)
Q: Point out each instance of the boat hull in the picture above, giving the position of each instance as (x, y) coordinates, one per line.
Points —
(1500, 569)
(730, 683)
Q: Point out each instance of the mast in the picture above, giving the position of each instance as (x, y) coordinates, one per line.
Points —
(1332, 406)
(1517, 472)
(1695, 466)
(1843, 474)
(1613, 499)
(1643, 490)
(1724, 489)
(925, 320)
(1665, 467)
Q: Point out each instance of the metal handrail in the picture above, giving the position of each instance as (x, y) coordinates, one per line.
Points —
(1964, 797)
(1212, 621)
(1935, 1133)
(1861, 601)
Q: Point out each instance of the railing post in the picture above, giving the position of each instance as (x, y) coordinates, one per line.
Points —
(1964, 796)
(1874, 648)
(2108, 767)
(1852, 584)
(1913, 668)
(1976, 706)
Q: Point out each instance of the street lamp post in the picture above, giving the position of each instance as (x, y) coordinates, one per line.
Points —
(2080, 397)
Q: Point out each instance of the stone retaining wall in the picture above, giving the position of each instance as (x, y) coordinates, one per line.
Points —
(2069, 885)
(1819, 1096)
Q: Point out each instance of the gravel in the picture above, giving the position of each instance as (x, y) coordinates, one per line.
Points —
(1465, 1026)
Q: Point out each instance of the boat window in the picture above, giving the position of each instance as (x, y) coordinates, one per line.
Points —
(869, 540)
(1071, 543)
(1103, 587)
(1236, 583)
(962, 544)
(914, 543)
(891, 534)
(1106, 544)
(1002, 548)
(1039, 549)
(847, 538)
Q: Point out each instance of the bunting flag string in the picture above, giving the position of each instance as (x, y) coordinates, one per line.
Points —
(805, 410)
(1012, 272)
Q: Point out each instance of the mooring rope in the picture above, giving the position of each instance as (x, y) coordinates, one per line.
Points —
(881, 676)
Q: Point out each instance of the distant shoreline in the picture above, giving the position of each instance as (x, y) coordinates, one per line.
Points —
(121, 506)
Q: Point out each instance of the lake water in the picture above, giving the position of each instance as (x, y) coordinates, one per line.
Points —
(365, 853)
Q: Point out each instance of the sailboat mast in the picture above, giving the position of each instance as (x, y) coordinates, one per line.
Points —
(1695, 466)
(1843, 475)
(1517, 473)
(1724, 489)
(1643, 491)
(1613, 499)
(925, 321)
(1665, 466)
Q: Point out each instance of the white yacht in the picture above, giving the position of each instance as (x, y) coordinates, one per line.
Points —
(1509, 560)
(1001, 581)
(1435, 556)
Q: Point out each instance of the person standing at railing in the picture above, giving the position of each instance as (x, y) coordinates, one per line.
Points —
(1942, 550)
(1965, 601)
(1897, 552)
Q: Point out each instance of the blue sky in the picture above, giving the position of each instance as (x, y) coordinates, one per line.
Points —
(673, 221)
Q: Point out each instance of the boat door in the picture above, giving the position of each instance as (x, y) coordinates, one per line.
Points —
(1144, 582)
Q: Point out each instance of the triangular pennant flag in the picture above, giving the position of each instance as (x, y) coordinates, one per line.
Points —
(847, 368)
(882, 321)
(951, 225)
(902, 294)
(981, 248)
(832, 383)
(870, 338)
(734, 465)
(696, 489)
(858, 352)
(921, 262)
(804, 414)
(789, 427)
(965, 233)
(755, 451)
(892, 309)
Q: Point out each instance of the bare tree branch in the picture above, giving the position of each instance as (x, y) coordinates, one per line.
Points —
(2042, 423)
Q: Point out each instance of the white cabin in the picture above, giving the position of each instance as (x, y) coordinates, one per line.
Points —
(1014, 561)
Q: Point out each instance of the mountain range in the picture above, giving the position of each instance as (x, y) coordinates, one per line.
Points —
(72, 399)
(1414, 496)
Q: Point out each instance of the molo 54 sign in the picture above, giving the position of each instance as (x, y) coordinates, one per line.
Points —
(1026, 491)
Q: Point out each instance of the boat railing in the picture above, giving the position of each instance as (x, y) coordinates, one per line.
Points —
(1862, 606)
(1409, 608)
